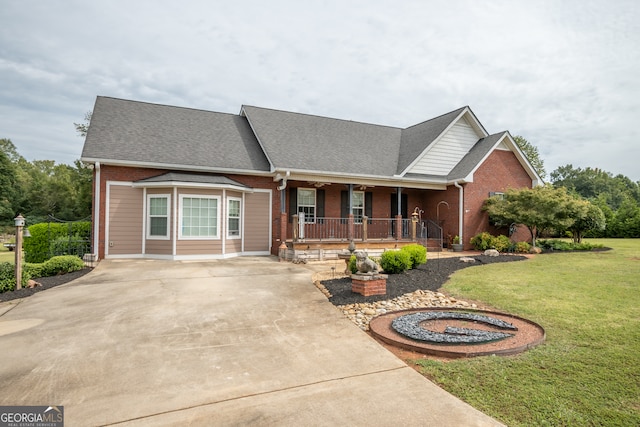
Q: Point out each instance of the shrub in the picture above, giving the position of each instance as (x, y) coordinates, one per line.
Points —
(554, 245)
(38, 247)
(417, 254)
(522, 247)
(500, 243)
(352, 265)
(62, 264)
(35, 270)
(484, 241)
(394, 262)
(8, 277)
(561, 245)
(481, 241)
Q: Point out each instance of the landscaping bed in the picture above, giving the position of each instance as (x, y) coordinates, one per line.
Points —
(430, 276)
(45, 283)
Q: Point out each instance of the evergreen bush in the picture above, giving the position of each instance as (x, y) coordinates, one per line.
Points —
(352, 265)
(482, 241)
(500, 243)
(522, 247)
(417, 254)
(8, 277)
(45, 237)
(62, 264)
(394, 262)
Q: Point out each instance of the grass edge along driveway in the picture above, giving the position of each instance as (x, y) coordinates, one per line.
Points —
(587, 373)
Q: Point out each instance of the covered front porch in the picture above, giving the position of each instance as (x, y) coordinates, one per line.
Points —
(319, 218)
(325, 238)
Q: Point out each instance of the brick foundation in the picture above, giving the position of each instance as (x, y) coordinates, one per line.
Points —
(369, 285)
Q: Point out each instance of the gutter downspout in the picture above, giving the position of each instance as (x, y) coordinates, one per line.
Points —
(282, 249)
(96, 211)
(460, 210)
(281, 188)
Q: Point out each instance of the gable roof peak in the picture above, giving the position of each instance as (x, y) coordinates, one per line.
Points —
(312, 116)
(453, 113)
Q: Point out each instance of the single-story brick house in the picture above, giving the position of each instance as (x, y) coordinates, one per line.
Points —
(180, 183)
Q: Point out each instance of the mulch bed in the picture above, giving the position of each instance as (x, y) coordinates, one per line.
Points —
(46, 283)
(430, 276)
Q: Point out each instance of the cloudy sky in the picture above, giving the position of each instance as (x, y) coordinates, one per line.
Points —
(563, 74)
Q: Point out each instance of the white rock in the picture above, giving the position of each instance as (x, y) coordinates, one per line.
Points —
(491, 252)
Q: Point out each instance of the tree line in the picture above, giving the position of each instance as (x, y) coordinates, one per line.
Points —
(41, 188)
(579, 202)
(618, 197)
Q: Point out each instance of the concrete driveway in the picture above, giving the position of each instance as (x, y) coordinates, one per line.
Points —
(246, 341)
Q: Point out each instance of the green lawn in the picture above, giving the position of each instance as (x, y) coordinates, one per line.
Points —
(6, 256)
(587, 373)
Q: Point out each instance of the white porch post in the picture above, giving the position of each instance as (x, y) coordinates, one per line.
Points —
(460, 210)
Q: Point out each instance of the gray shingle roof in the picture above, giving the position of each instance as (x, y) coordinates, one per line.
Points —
(305, 142)
(474, 157)
(192, 178)
(132, 131)
(260, 140)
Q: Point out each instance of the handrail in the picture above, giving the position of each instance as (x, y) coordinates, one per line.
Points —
(431, 230)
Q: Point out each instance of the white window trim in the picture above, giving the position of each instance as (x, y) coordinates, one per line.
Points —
(228, 217)
(315, 204)
(353, 208)
(180, 216)
(148, 219)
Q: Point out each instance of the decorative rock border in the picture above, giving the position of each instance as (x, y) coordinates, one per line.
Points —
(527, 334)
(409, 325)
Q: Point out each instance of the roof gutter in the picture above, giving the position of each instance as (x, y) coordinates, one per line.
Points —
(283, 180)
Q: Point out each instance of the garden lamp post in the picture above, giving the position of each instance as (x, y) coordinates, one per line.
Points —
(19, 222)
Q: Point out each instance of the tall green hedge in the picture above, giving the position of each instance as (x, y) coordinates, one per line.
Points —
(38, 248)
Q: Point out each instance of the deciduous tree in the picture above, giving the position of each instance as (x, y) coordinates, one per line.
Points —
(539, 208)
(532, 153)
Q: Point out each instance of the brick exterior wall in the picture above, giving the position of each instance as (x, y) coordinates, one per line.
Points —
(499, 172)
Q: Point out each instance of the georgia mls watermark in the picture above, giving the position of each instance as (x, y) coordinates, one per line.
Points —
(31, 416)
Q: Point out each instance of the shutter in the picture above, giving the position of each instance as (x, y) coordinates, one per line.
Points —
(344, 206)
(320, 206)
(368, 204)
(293, 203)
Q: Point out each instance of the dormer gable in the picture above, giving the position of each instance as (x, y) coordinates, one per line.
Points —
(444, 152)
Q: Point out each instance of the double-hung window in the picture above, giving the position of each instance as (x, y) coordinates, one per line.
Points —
(199, 217)
(307, 204)
(234, 213)
(358, 206)
(158, 216)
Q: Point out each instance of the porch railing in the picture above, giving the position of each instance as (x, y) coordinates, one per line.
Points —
(338, 229)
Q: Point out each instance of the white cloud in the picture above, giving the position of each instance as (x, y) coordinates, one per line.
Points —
(562, 74)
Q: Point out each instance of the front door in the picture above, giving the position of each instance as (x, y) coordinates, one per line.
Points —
(404, 206)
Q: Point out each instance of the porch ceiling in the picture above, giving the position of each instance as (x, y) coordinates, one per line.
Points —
(438, 183)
